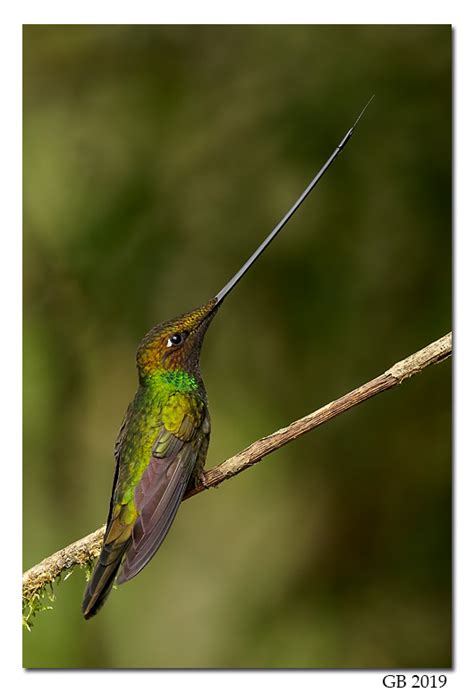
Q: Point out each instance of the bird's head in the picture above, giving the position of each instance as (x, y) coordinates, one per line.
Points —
(176, 344)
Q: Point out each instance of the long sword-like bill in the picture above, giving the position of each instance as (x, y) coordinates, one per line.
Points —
(238, 276)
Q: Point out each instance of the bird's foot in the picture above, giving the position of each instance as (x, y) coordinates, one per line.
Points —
(201, 479)
(198, 480)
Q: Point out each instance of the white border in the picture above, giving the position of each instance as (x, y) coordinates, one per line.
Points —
(456, 13)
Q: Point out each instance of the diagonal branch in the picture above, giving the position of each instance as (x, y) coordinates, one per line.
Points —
(85, 550)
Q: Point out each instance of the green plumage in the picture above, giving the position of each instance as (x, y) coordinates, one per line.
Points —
(160, 451)
(159, 404)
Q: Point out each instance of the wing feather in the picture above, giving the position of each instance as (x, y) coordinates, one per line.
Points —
(136, 529)
(160, 491)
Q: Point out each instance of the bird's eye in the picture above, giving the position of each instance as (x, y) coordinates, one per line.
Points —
(176, 339)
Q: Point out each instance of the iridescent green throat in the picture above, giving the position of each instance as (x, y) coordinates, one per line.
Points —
(178, 380)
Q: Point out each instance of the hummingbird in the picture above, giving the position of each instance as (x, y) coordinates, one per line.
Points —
(161, 448)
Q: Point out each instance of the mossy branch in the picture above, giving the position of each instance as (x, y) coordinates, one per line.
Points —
(83, 552)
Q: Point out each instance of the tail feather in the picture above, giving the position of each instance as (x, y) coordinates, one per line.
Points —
(103, 577)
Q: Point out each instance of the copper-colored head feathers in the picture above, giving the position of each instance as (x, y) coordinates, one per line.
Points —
(176, 344)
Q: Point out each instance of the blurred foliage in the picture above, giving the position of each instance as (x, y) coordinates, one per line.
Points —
(155, 159)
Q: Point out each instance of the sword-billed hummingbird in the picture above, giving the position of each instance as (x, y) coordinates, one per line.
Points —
(161, 448)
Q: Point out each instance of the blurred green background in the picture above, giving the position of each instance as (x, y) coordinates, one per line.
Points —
(155, 160)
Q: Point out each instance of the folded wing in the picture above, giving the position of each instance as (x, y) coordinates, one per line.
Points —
(161, 489)
(135, 529)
